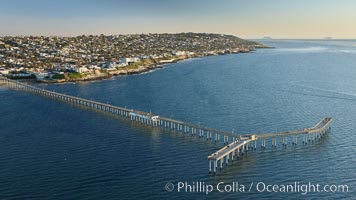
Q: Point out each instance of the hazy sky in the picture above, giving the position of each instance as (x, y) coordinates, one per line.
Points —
(244, 18)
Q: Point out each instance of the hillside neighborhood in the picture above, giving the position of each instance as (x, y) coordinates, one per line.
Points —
(91, 57)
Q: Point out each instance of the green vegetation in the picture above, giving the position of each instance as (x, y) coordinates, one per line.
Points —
(58, 76)
(70, 76)
(76, 75)
(135, 65)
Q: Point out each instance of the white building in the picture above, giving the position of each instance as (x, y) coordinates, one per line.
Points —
(179, 53)
(82, 69)
(4, 71)
(166, 61)
(40, 76)
(109, 65)
(95, 67)
(127, 61)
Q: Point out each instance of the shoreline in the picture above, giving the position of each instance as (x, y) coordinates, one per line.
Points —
(133, 71)
(115, 73)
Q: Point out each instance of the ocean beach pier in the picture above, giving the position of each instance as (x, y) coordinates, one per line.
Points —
(234, 145)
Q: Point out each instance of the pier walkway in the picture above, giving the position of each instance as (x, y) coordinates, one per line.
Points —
(234, 144)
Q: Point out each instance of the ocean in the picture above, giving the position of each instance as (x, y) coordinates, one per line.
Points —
(53, 150)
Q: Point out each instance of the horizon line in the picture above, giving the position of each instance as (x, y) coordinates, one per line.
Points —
(246, 38)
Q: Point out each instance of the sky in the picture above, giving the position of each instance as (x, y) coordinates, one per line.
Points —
(248, 19)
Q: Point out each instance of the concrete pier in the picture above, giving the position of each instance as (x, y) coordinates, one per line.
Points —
(240, 144)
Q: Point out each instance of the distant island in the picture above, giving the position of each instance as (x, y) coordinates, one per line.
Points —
(92, 57)
(267, 38)
(328, 38)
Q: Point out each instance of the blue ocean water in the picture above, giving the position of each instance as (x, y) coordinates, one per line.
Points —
(52, 150)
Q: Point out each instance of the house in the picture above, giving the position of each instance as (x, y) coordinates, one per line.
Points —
(82, 69)
(179, 53)
(4, 71)
(128, 61)
(94, 67)
(108, 65)
(122, 64)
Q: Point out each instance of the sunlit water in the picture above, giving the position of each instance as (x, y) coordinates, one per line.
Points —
(52, 150)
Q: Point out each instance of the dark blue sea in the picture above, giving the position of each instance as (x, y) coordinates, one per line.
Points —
(53, 150)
